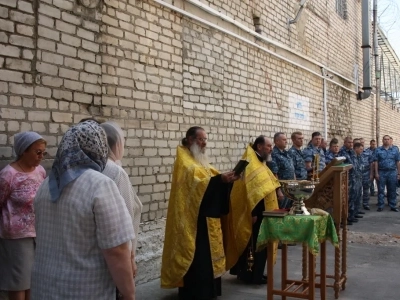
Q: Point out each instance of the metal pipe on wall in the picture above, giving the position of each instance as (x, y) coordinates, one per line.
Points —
(377, 72)
(325, 103)
(261, 37)
(194, 17)
(366, 48)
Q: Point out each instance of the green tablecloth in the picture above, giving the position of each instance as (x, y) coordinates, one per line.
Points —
(311, 230)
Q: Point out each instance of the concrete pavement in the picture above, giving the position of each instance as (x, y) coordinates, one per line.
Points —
(372, 269)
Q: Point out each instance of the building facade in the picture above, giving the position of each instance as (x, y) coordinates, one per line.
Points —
(238, 68)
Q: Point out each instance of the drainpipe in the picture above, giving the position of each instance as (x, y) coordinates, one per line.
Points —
(377, 71)
(266, 50)
(252, 32)
(302, 3)
(366, 47)
(325, 103)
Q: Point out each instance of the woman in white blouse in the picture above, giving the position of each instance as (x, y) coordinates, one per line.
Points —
(114, 171)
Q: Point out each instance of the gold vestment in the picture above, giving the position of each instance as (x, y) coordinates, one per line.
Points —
(258, 183)
(189, 183)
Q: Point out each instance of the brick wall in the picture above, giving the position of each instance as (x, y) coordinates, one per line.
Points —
(157, 72)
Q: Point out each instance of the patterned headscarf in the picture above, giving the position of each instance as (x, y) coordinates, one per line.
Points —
(115, 139)
(83, 146)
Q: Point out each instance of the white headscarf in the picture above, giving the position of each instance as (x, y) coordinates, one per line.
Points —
(116, 141)
(23, 140)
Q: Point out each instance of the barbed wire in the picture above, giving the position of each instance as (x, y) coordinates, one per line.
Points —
(389, 20)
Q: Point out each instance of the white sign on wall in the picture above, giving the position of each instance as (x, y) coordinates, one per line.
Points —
(299, 111)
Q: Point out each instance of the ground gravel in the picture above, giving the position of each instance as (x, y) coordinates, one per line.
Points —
(381, 239)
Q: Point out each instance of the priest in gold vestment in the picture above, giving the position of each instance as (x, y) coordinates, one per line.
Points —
(194, 254)
(259, 188)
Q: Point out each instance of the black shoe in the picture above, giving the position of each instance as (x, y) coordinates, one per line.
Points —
(379, 209)
(361, 213)
(349, 223)
(260, 281)
(366, 207)
(352, 220)
(358, 217)
(394, 209)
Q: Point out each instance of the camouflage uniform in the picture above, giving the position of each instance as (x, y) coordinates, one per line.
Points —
(387, 168)
(298, 163)
(350, 156)
(367, 159)
(371, 186)
(282, 165)
(357, 184)
(310, 151)
(329, 156)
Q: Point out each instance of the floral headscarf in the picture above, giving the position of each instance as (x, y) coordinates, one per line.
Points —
(83, 146)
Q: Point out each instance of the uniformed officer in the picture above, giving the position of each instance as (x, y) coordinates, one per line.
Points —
(391, 144)
(333, 151)
(312, 149)
(387, 173)
(324, 145)
(356, 185)
(348, 152)
(296, 153)
(372, 148)
(366, 157)
(282, 163)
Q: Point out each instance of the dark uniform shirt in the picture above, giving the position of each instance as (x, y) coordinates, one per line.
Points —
(282, 164)
(329, 156)
(349, 154)
(367, 158)
(386, 158)
(298, 163)
(358, 167)
(310, 151)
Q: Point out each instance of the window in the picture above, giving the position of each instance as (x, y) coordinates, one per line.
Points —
(341, 8)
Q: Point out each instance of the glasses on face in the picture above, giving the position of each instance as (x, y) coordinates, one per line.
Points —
(40, 152)
(202, 139)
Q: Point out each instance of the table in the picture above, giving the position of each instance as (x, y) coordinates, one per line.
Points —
(312, 232)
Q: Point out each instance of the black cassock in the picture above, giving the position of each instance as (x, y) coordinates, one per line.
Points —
(199, 282)
(256, 274)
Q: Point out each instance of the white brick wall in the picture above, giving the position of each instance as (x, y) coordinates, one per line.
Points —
(158, 73)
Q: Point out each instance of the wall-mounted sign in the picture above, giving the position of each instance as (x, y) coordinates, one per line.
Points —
(299, 111)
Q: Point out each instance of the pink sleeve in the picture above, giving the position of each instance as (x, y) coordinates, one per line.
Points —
(42, 171)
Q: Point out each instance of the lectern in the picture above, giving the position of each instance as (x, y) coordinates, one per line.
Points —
(331, 194)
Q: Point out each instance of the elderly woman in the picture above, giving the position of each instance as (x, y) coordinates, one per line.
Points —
(113, 170)
(19, 182)
(83, 228)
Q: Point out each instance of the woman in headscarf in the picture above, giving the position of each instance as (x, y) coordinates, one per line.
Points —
(19, 182)
(113, 170)
(83, 228)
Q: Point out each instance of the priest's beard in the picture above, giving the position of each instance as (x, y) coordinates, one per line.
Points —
(199, 155)
(266, 157)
